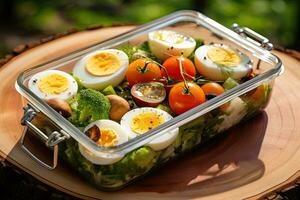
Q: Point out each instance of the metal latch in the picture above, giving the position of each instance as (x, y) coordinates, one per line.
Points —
(51, 140)
(247, 32)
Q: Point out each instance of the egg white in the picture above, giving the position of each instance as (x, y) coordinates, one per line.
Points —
(35, 79)
(158, 143)
(212, 71)
(100, 82)
(164, 49)
(104, 159)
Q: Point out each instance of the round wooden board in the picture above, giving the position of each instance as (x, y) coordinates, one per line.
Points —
(256, 158)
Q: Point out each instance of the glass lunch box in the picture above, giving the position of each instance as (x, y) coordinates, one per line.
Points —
(196, 126)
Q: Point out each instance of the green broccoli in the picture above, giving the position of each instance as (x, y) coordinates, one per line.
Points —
(88, 106)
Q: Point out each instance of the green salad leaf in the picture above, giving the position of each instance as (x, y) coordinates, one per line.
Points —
(140, 51)
(133, 164)
(230, 83)
(109, 90)
(199, 42)
(189, 135)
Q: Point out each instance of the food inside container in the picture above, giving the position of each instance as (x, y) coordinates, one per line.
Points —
(119, 94)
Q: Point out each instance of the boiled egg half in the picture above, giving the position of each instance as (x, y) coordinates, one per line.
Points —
(218, 62)
(165, 43)
(105, 133)
(140, 120)
(53, 84)
(101, 68)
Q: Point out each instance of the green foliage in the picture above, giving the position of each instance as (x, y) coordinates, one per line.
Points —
(275, 19)
(54, 16)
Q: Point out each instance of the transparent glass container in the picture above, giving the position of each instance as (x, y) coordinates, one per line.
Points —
(196, 126)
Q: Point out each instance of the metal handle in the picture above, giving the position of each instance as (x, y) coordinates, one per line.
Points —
(247, 32)
(50, 141)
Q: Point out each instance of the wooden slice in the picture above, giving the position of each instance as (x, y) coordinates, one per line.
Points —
(254, 159)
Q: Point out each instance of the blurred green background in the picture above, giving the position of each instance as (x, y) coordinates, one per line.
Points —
(25, 21)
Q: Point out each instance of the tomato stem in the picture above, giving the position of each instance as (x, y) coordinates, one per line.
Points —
(191, 77)
(161, 66)
(165, 70)
(186, 91)
(143, 69)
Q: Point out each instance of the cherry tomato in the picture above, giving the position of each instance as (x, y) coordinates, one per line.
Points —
(258, 93)
(182, 98)
(172, 66)
(148, 94)
(142, 70)
(212, 88)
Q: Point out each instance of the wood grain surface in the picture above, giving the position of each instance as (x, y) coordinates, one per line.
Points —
(253, 159)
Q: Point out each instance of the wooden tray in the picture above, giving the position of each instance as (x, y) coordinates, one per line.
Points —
(256, 158)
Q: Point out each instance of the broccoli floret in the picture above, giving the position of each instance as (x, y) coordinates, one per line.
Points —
(88, 106)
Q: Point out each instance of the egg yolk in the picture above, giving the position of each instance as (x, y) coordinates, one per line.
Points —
(223, 57)
(170, 37)
(102, 64)
(146, 121)
(53, 84)
(107, 138)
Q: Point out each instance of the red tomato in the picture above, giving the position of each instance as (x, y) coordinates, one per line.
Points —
(258, 93)
(142, 70)
(212, 88)
(182, 99)
(172, 67)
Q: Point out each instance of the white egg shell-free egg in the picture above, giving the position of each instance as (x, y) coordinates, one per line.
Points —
(158, 143)
(100, 82)
(164, 49)
(100, 158)
(164, 141)
(212, 71)
(35, 79)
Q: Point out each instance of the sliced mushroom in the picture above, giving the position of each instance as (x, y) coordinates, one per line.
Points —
(93, 133)
(119, 106)
(61, 106)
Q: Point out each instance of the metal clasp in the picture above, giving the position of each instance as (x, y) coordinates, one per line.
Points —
(51, 140)
(56, 137)
(248, 33)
